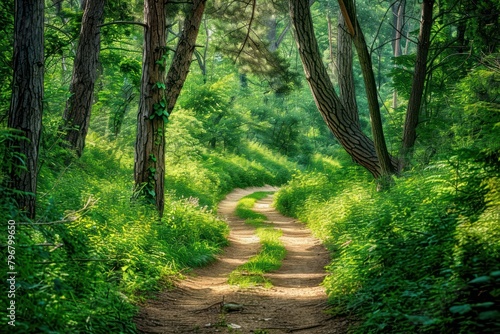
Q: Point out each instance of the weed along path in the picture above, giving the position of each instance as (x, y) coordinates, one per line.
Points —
(204, 302)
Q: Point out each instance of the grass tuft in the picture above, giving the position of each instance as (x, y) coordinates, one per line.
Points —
(271, 254)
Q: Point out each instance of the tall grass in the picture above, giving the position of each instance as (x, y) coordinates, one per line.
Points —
(94, 253)
(424, 256)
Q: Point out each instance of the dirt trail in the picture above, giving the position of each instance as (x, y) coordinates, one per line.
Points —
(296, 303)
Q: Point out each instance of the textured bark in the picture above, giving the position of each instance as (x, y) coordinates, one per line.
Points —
(347, 89)
(149, 168)
(79, 105)
(345, 129)
(418, 84)
(387, 165)
(184, 53)
(25, 113)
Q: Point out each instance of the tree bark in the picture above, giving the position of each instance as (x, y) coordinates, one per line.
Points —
(388, 166)
(183, 57)
(418, 84)
(25, 113)
(149, 167)
(347, 89)
(159, 94)
(79, 105)
(398, 10)
(345, 129)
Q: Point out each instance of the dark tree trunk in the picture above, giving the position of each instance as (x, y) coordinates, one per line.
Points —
(159, 94)
(184, 53)
(331, 53)
(25, 113)
(347, 89)
(388, 166)
(79, 105)
(345, 129)
(149, 167)
(418, 84)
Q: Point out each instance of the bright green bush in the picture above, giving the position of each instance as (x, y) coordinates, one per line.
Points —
(94, 253)
(422, 256)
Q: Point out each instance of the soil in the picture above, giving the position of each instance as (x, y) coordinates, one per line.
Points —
(295, 304)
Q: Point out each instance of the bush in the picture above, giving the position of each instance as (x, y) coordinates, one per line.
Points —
(415, 258)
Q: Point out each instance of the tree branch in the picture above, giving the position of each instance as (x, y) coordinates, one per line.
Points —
(254, 4)
(347, 19)
(123, 23)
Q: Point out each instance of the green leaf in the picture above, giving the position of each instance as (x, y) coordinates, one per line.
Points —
(460, 309)
(489, 315)
(481, 280)
(421, 319)
(484, 305)
(495, 273)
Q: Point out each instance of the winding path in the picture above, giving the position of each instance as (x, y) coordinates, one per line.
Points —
(296, 302)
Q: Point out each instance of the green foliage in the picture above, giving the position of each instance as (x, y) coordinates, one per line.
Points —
(6, 46)
(245, 205)
(272, 252)
(419, 257)
(212, 104)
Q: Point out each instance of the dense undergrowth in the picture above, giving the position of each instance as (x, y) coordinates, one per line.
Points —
(94, 253)
(421, 257)
(272, 252)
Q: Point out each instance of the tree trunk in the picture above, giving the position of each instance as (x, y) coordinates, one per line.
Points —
(159, 95)
(398, 10)
(418, 84)
(184, 53)
(388, 166)
(347, 89)
(25, 113)
(345, 129)
(79, 105)
(149, 167)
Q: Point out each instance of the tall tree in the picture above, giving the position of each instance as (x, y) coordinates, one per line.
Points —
(25, 113)
(347, 89)
(387, 166)
(79, 105)
(149, 167)
(344, 127)
(418, 83)
(159, 94)
(398, 12)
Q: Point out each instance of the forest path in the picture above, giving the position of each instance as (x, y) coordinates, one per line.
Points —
(295, 303)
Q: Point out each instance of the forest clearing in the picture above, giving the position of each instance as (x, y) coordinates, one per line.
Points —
(140, 142)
